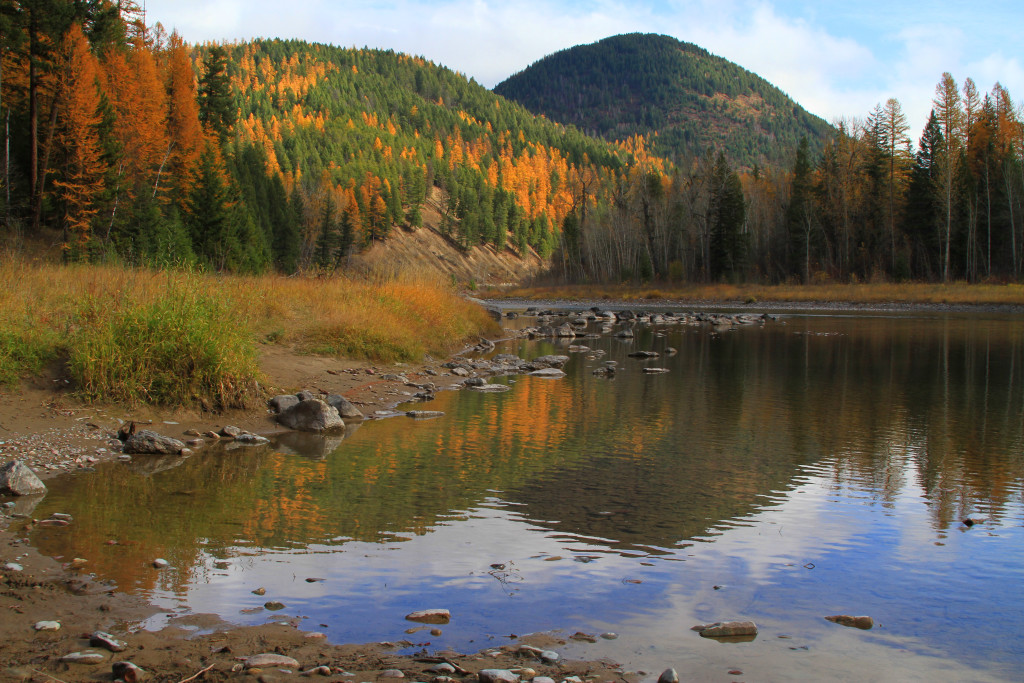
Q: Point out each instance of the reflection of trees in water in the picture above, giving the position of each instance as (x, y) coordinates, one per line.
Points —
(636, 462)
(888, 401)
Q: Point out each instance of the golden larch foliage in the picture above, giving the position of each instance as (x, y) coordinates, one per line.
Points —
(82, 181)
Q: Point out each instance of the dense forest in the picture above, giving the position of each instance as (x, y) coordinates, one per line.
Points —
(683, 98)
(130, 145)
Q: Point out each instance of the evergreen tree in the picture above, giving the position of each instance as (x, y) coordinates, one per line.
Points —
(217, 108)
(727, 210)
(921, 223)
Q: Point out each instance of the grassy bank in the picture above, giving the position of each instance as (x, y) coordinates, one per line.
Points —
(172, 338)
(954, 294)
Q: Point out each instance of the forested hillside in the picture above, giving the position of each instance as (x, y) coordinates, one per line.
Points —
(642, 84)
(126, 144)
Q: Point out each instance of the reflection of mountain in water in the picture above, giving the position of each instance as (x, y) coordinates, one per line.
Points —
(635, 462)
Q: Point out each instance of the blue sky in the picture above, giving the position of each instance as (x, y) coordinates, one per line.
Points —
(835, 58)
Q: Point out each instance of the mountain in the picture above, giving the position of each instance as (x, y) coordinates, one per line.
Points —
(646, 84)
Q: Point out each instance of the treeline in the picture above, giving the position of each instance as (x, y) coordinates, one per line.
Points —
(868, 207)
(642, 84)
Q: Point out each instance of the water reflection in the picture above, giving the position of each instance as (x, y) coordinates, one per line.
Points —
(853, 445)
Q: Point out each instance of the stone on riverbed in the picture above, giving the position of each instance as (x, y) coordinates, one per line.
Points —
(17, 479)
(491, 388)
(313, 415)
(548, 373)
(147, 442)
(424, 414)
(551, 361)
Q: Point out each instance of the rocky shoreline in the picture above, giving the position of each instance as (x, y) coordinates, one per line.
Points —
(38, 590)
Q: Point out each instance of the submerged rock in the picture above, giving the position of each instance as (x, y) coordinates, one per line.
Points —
(549, 373)
(491, 388)
(424, 414)
(17, 479)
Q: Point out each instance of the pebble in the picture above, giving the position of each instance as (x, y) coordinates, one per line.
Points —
(497, 676)
(160, 563)
(47, 626)
(269, 659)
(668, 676)
(318, 671)
(13, 567)
(273, 605)
(610, 636)
(260, 591)
(391, 673)
(105, 640)
(128, 672)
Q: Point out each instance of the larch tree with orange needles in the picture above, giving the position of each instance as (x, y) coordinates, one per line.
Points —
(82, 181)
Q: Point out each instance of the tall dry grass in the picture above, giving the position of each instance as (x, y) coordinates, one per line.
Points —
(185, 338)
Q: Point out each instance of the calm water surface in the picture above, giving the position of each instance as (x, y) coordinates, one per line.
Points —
(813, 466)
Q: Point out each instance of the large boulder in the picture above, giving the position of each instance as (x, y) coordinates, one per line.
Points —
(17, 479)
(313, 415)
(344, 407)
(147, 442)
(283, 402)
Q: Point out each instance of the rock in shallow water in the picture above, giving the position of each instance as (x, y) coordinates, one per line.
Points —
(430, 616)
(862, 622)
(146, 442)
(727, 629)
(313, 415)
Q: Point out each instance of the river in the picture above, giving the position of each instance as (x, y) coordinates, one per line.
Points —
(780, 472)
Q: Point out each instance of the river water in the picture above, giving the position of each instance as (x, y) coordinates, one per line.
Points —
(811, 466)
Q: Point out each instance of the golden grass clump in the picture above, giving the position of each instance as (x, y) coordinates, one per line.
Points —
(182, 338)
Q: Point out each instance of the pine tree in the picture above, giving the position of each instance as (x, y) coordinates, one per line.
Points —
(217, 108)
(921, 220)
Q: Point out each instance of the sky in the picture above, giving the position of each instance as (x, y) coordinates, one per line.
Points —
(837, 59)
